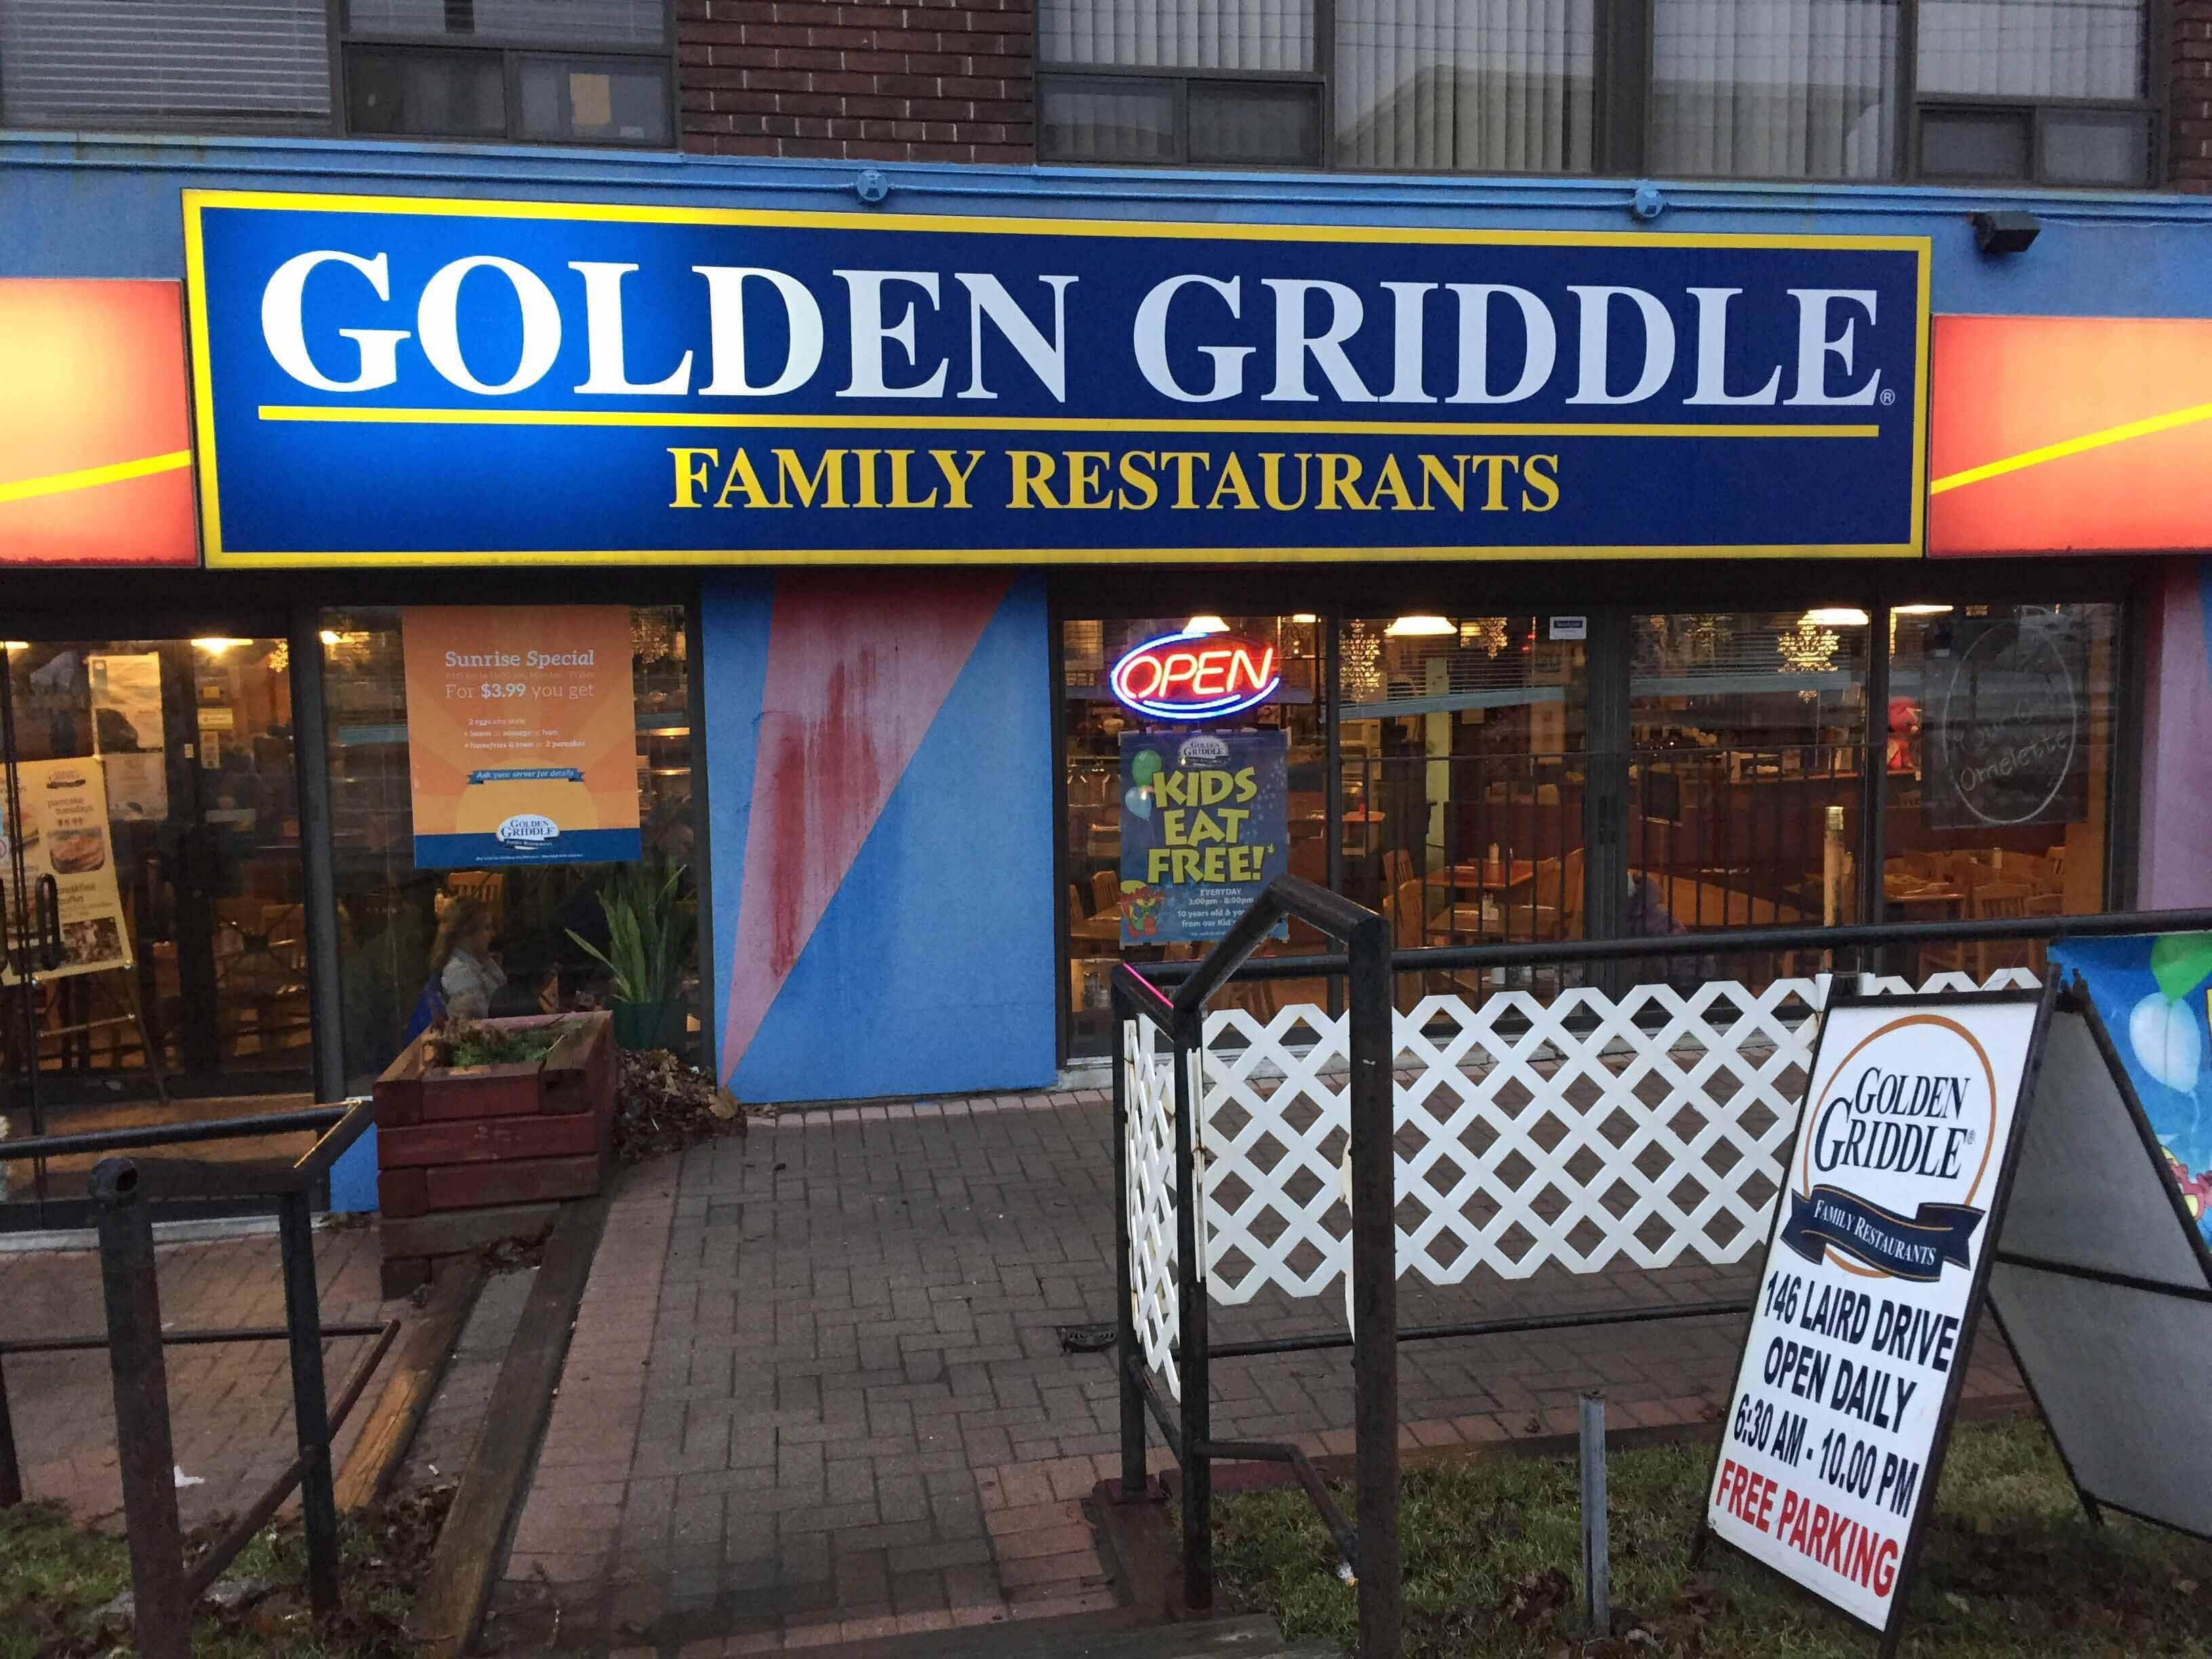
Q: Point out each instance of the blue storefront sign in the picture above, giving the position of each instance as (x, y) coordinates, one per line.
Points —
(382, 380)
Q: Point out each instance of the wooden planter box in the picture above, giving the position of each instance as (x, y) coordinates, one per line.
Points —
(467, 1156)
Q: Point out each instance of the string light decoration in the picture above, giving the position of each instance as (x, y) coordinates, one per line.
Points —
(1488, 632)
(1808, 648)
(652, 635)
(1359, 666)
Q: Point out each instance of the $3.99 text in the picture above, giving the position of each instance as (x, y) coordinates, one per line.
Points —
(494, 690)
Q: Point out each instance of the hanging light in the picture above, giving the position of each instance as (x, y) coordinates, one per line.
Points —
(15, 646)
(1421, 627)
(1205, 625)
(214, 647)
(1305, 618)
(1922, 610)
(1834, 616)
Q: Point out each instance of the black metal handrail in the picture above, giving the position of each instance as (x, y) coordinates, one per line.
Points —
(165, 1586)
(1718, 942)
(179, 1134)
(1370, 1550)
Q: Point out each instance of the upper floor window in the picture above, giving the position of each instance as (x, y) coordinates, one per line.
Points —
(554, 71)
(2050, 92)
(550, 71)
(174, 65)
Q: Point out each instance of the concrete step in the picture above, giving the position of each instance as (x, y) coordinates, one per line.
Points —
(1104, 1637)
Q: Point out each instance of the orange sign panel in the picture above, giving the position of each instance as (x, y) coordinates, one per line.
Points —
(95, 446)
(521, 734)
(2069, 434)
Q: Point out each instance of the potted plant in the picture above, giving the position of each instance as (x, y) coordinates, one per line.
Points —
(646, 947)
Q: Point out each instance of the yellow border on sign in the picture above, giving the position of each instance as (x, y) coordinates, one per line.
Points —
(327, 414)
(196, 201)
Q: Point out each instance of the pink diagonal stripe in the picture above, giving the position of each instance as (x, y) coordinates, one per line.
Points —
(858, 668)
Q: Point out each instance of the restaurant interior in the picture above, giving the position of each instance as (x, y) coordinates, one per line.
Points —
(1749, 748)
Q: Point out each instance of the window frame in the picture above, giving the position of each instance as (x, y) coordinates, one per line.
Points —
(339, 36)
(1178, 83)
(511, 51)
(1622, 137)
(2037, 110)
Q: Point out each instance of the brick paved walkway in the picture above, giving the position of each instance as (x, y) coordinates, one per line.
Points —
(817, 1392)
(230, 1404)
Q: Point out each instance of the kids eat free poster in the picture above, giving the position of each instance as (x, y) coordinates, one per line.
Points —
(521, 734)
(1204, 828)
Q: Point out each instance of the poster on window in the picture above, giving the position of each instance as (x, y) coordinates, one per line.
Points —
(521, 734)
(2007, 732)
(1205, 826)
(65, 817)
(128, 735)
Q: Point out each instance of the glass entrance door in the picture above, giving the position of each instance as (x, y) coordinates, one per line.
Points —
(153, 782)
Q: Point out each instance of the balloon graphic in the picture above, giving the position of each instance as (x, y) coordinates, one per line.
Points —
(2180, 962)
(1139, 801)
(1145, 767)
(2167, 1042)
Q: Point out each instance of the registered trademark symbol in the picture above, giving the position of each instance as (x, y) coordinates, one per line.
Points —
(1888, 395)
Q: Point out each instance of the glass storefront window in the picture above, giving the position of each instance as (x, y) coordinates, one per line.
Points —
(1464, 744)
(1998, 755)
(193, 740)
(1093, 725)
(1747, 760)
(389, 910)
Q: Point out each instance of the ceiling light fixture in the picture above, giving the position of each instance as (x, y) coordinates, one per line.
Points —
(1419, 626)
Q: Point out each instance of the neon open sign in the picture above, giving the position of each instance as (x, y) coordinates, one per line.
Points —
(1195, 676)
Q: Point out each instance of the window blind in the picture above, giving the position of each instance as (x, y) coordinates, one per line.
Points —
(574, 22)
(1466, 85)
(1206, 34)
(2032, 48)
(1774, 88)
(200, 65)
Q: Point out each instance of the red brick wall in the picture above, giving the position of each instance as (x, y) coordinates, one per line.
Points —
(2189, 144)
(923, 80)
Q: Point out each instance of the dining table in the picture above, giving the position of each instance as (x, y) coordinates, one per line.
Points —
(1483, 875)
(1103, 929)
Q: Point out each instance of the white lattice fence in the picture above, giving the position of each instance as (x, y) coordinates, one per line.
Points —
(1149, 1156)
(1579, 1131)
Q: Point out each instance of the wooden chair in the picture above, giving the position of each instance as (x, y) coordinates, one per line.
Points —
(1105, 892)
(1409, 915)
(1571, 896)
(1397, 867)
(1075, 916)
(1538, 902)
(2000, 901)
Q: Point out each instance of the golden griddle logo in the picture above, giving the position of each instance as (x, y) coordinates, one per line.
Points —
(1913, 1105)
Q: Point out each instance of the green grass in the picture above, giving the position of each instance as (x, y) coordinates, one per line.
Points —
(1492, 1552)
(55, 1576)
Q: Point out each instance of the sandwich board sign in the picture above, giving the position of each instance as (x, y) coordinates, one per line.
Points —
(1958, 1152)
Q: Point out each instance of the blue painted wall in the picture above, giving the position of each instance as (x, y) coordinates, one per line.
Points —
(88, 206)
(931, 967)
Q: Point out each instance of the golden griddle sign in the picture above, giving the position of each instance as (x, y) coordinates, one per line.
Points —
(1894, 1152)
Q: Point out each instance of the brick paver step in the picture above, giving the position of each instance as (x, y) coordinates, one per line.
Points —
(1253, 1637)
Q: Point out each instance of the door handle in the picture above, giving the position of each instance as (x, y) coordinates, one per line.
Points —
(50, 923)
